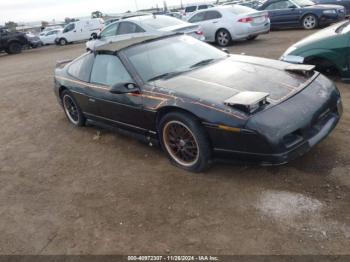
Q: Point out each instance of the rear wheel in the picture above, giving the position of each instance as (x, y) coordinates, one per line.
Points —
(185, 142)
(72, 109)
(309, 22)
(223, 37)
(14, 48)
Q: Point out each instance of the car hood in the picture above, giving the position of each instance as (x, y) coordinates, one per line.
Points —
(319, 37)
(219, 81)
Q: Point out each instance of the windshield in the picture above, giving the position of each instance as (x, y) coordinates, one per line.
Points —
(171, 55)
(157, 22)
(303, 2)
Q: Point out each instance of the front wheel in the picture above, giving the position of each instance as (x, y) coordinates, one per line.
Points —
(185, 142)
(223, 37)
(62, 42)
(14, 48)
(310, 22)
(72, 109)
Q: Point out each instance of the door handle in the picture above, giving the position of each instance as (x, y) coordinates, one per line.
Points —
(92, 100)
(215, 22)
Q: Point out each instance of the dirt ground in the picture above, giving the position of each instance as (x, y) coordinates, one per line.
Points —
(66, 190)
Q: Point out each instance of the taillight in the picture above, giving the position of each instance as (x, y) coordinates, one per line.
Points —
(246, 20)
(199, 32)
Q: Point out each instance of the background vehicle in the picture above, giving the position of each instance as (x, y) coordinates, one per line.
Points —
(33, 40)
(80, 30)
(12, 42)
(190, 9)
(199, 102)
(150, 24)
(50, 28)
(49, 37)
(226, 23)
(345, 3)
(328, 49)
(301, 13)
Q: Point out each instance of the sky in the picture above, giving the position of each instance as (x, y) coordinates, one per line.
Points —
(38, 10)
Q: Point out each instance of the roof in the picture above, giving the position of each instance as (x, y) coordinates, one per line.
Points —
(127, 41)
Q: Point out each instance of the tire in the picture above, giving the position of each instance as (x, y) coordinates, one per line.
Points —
(309, 22)
(14, 48)
(253, 37)
(223, 37)
(62, 42)
(72, 109)
(183, 139)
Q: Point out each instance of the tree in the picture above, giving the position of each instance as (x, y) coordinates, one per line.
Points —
(11, 25)
(96, 14)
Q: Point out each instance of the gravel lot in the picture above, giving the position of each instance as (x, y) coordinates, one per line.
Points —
(65, 190)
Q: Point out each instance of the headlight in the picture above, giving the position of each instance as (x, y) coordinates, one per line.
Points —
(292, 59)
(328, 12)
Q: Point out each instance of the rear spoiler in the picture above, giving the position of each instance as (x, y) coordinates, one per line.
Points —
(63, 62)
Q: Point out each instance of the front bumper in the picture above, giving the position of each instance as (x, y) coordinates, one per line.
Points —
(326, 19)
(284, 131)
(320, 133)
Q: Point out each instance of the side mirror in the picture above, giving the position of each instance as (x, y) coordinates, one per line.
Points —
(124, 88)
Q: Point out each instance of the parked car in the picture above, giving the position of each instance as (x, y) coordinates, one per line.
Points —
(177, 15)
(50, 28)
(301, 13)
(12, 42)
(33, 40)
(199, 102)
(328, 49)
(190, 9)
(79, 31)
(150, 24)
(49, 37)
(345, 3)
(124, 16)
(226, 23)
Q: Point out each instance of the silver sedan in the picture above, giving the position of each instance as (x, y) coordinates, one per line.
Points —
(226, 23)
(144, 25)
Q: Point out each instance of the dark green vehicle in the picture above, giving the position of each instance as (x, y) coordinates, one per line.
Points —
(328, 50)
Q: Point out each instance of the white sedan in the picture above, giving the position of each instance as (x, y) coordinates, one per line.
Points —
(49, 37)
(226, 23)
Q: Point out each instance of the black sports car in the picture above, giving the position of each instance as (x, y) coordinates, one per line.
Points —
(199, 102)
(302, 13)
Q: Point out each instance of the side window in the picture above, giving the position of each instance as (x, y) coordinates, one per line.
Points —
(197, 18)
(81, 67)
(201, 7)
(190, 9)
(212, 15)
(279, 5)
(68, 28)
(110, 31)
(129, 28)
(109, 70)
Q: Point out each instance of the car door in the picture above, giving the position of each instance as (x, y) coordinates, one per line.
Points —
(50, 37)
(199, 19)
(69, 32)
(212, 22)
(120, 109)
(283, 12)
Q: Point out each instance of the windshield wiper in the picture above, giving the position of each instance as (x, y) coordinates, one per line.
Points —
(166, 75)
(203, 62)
